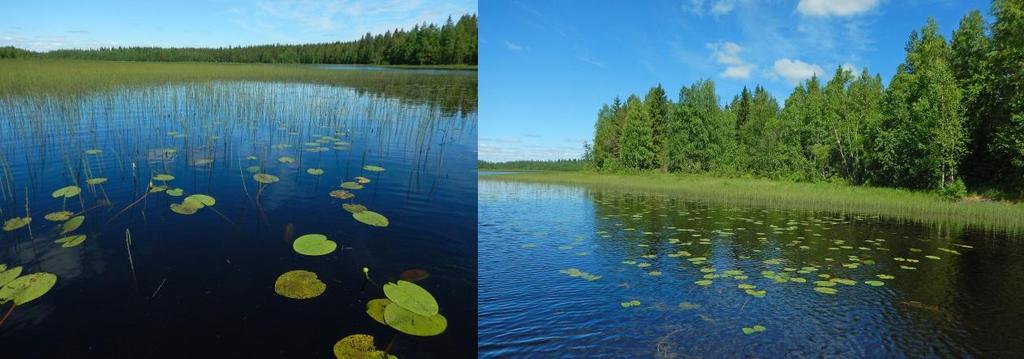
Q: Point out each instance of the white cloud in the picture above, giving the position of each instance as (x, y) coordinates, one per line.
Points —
(835, 7)
(512, 47)
(722, 7)
(849, 67)
(728, 53)
(716, 8)
(795, 71)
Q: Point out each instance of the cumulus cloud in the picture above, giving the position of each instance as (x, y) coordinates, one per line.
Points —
(795, 71)
(728, 54)
(835, 7)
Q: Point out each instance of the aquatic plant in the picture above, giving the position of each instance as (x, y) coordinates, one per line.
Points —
(314, 245)
(299, 284)
(409, 309)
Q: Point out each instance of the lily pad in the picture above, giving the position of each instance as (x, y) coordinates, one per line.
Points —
(314, 245)
(96, 181)
(825, 283)
(203, 199)
(756, 293)
(414, 275)
(253, 169)
(67, 192)
(372, 218)
(93, 152)
(409, 322)
(285, 159)
(315, 171)
(361, 180)
(72, 224)
(186, 207)
(176, 192)
(353, 208)
(6, 276)
(342, 194)
(754, 329)
(71, 241)
(703, 282)
(26, 288)
(163, 177)
(632, 303)
(351, 185)
(359, 346)
(885, 276)
(299, 284)
(825, 290)
(411, 297)
(874, 283)
(58, 216)
(16, 223)
(373, 168)
(265, 178)
(375, 308)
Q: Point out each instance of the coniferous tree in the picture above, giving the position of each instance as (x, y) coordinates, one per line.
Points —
(636, 146)
(656, 108)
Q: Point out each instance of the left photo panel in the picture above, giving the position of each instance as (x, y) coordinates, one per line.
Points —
(263, 179)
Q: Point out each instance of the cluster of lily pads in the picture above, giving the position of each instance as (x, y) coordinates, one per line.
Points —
(360, 212)
(409, 309)
(21, 289)
(573, 272)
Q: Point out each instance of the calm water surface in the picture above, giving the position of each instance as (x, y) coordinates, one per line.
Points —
(203, 285)
(561, 266)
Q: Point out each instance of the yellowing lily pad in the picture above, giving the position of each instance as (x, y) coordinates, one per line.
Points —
(186, 207)
(409, 322)
(351, 185)
(163, 177)
(176, 192)
(299, 284)
(71, 241)
(373, 168)
(315, 171)
(72, 224)
(353, 208)
(265, 178)
(96, 181)
(203, 199)
(362, 180)
(342, 194)
(825, 290)
(375, 308)
(372, 218)
(67, 192)
(58, 216)
(412, 297)
(285, 159)
(359, 346)
(314, 245)
(26, 288)
(16, 223)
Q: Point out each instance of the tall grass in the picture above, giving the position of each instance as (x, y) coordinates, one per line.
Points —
(887, 202)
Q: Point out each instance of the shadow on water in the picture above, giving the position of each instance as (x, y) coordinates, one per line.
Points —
(203, 284)
(570, 284)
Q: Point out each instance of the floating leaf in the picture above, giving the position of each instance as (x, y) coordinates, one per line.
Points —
(745, 286)
(71, 241)
(314, 245)
(176, 192)
(409, 322)
(844, 281)
(362, 180)
(315, 171)
(96, 181)
(874, 283)
(156, 189)
(253, 169)
(58, 216)
(16, 223)
(342, 194)
(285, 159)
(353, 208)
(67, 192)
(414, 275)
(93, 152)
(6, 276)
(203, 199)
(72, 224)
(26, 288)
(299, 284)
(885, 276)
(754, 329)
(251, 158)
(186, 207)
(756, 293)
(654, 273)
(372, 218)
(163, 177)
(703, 282)
(202, 162)
(351, 185)
(825, 283)
(265, 178)
(359, 346)
(632, 303)
(933, 257)
(372, 168)
(412, 297)
(375, 308)
(825, 290)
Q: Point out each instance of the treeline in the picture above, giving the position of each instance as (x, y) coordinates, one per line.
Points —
(453, 43)
(553, 165)
(953, 114)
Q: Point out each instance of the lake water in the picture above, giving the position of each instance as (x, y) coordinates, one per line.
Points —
(203, 285)
(567, 271)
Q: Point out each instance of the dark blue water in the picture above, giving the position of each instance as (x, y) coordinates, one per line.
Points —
(964, 302)
(203, 285)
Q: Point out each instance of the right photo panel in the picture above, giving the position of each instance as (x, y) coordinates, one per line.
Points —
(756, 179)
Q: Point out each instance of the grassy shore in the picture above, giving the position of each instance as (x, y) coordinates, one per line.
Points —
(888, 202)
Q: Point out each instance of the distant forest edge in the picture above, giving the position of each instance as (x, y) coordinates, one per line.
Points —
(553, 165)
(453, 43)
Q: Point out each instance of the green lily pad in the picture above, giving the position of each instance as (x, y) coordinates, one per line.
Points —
(825, 283)
(632, 303)
(754, 329)
(251, 158)
(703, 282)
(409, 322)
(351, 185)
(933, 257)
(885, 276)
(315, 171)
(412, 297)
(26, 288)
(299, 284)
(253, 169)
(874, 283)
(285, 159)
(93, 152)
(96, 181)
(163, 177)
(373, 168)
(67, 192)
(353, 208)
(756, 293)
(314, 245)
(71, 241)
(359, 346)
(375, 308)
(6, 276)
(361, 180)
(156, 189)
(16, 223)
(745, 286)
(186, 207)
(341, 194)
(843, 281)
(372, 218)
(265, 178)
(176, 192)
(58, 216)
(825, 290)
(203, 199)
(72, 224)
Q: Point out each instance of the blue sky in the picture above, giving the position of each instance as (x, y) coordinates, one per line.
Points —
(547, 66)
(48, 25)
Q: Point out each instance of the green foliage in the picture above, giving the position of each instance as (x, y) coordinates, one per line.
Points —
(637, 141)
(699, 133)
(656, 111)
(553, 165)
(1007, 115)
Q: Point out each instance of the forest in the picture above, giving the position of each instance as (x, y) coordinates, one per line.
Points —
(950, 119)
(552, 165)
(453, 43)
